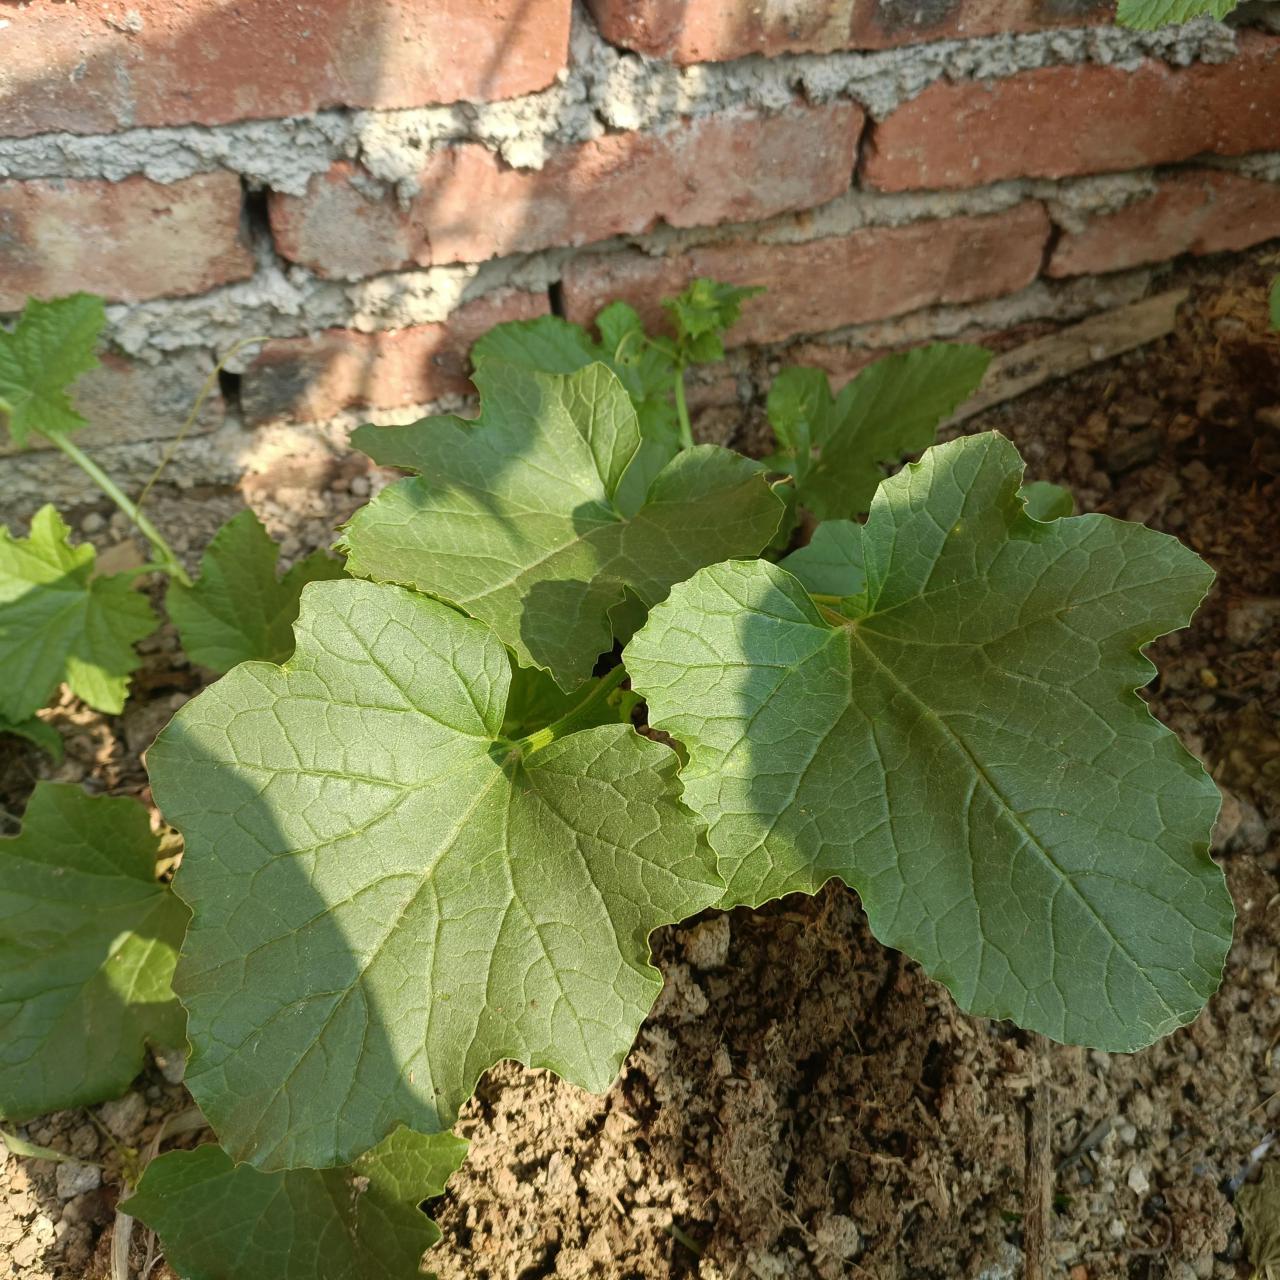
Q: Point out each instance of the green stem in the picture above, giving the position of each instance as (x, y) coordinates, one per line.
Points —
(682, 410)
(168, 558)
(569, 721)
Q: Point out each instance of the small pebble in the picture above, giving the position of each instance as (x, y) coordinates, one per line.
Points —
(1139, 1183)
(92, 523)
(72, 1179)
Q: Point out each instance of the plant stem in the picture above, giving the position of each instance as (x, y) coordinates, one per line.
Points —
(682, 410)
(168, 559)
(568, 722)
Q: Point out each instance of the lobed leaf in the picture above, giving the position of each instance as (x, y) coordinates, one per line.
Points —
(60, 623)
(1145, 15)
(223, 1221)
(703, 313)
(50, 347)
(525, 520)
(238, 610)
(549, 344)
(837, 447)
(958, 738)
(388, 897)
(88, 941)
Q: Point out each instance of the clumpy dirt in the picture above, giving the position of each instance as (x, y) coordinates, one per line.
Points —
(803, 1103)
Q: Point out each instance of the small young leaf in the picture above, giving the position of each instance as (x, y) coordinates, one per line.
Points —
(238, 610)
(58, 622)
(50, 347)
(1146, 15)
(88, 940)
(1048, 501)
(703, 313)
(962, 744)
(36, 731)
(519, 517)
(892, 408)
(389, 898)
(223, 1221)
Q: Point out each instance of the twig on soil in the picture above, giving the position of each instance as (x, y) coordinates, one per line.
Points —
(1039, 1178)
(1099, 338)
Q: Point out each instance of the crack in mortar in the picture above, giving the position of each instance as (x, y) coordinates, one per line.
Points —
(604, 88)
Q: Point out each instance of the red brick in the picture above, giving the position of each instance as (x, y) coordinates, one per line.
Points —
(310, 379)
(88, 68)
(1204, 211)
(826, 284)
(686, 31)
(1057, 121)
(736, 167)
(125, 240)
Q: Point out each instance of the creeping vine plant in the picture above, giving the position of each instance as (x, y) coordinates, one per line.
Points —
(423, 834)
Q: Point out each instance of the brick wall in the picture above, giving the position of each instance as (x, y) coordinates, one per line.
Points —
(372, 183)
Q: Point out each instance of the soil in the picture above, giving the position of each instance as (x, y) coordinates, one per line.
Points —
(803, 1103)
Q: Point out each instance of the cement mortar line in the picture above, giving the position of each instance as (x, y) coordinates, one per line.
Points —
(228, 453)
(288, 301)
(604, 89)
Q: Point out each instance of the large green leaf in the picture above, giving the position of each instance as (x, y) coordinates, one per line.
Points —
(1145, 15)
(961, 742)
(223, 1221)
(388, 897)
(238, 610)
(88, 940)
(517, 518)
(58, 622)
(49, 348)
(837, 447)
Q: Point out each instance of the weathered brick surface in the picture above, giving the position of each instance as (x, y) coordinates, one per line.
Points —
(125, 240)
(688, 31)
(1203, 211)
(97, 66)
(734, 167)
(826, 284)
(1055, 122)
(311, 379)
(126, 401)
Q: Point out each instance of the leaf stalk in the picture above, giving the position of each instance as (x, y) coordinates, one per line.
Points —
(168, 558)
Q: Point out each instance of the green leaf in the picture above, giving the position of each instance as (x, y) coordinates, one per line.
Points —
(964, 747)
(388, 899)
(552, 345)
(1273, 303)
(50, 347)
(892, 408)
(831, 565)
(222, 1221)
(1048, 501)
(58, 622)
(36, 731)
(238, 610)
(518, 517)
(1145, 15)
(88, 940)
(703, 313)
